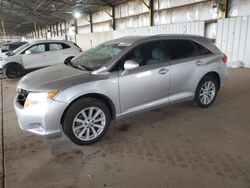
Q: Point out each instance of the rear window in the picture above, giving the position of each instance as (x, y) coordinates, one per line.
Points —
(58, 46)
(201, 49)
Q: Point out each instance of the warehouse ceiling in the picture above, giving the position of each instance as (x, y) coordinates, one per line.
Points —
(19, 15)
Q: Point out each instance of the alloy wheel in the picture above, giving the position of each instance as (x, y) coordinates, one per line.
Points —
(89, 123)
(207, 92)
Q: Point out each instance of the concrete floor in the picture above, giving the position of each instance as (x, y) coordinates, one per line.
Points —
(177, 146)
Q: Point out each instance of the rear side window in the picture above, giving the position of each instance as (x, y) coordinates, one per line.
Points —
(58, 46)
(179, 49)
(64, 46)
(201, 49)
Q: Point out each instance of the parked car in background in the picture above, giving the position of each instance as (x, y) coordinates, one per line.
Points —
(117, 79)
(35, 55)
(9, 47)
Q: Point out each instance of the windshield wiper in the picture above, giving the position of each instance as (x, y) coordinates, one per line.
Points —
(78, 66)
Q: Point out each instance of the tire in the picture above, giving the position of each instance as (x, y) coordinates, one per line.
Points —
(13, 70)
(206, 91)
(77, 125)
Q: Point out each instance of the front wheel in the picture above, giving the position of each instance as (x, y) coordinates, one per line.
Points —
(12, 71)
(206, 92)
(86, 121)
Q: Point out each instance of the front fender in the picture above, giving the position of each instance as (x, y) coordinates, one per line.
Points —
(107, 88)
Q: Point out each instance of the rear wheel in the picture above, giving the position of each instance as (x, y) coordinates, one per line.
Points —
(13, 70)
(206, 91)
(86, 121)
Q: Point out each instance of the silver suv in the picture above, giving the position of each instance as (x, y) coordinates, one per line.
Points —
(35, 55)
(116, 79)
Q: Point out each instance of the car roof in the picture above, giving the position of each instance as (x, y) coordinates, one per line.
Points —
(47, 41)
(134, 39)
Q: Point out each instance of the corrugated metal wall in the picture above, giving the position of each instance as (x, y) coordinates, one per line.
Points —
(168, 11)
(233, 38)
(89, 40)
(196, 28)
(239, 8)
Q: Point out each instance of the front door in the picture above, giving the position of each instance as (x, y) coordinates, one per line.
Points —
(37, 58)
(147, 85)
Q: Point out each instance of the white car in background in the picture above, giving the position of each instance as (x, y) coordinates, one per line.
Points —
(35, 55)
(9, 47)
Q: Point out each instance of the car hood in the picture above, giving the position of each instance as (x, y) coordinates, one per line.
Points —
(56, 77)
(3, 54)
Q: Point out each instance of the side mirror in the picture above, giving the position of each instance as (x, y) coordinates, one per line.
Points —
(27, 52)
(67, 61)
(130, 65)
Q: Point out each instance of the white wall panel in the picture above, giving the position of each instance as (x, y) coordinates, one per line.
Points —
(132, 22)
(130, 8)
(84, 29)
(233, 38)
(101, 27)
(89, 40)
(163, 4)
(84, 20)
(101, 16)
(196, 28)
(197, 12)
(239, 8)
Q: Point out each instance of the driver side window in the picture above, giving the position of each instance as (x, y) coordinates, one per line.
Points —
(145, 54)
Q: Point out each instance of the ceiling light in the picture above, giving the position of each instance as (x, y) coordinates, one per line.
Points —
(77, 15)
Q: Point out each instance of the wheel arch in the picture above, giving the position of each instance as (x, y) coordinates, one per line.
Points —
(103, 98)
(13, 63)
(215, 75)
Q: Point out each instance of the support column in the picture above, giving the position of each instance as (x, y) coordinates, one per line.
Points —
(65, 30)
(224, 9)
(4, 33)
(91, 23)
(150, 11)
(57, 32)
(112, 15)
(76, 27)
(61, 33)
(35, 29)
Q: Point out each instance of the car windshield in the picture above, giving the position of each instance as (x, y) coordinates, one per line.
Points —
(97, 57)
(21, 48)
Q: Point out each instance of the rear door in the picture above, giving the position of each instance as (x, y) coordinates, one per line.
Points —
(187, 67)
(59, 51)
(55, 53)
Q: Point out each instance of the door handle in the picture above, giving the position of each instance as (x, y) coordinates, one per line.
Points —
(199, 63)
(163, 71)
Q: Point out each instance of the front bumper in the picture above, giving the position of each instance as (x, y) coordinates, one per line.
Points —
(43, 119)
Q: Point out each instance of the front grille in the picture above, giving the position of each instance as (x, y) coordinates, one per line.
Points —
(22, 96)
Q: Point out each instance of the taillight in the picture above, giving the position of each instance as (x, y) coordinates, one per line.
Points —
(224, 59)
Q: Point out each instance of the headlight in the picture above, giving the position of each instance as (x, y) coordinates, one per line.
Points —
(39, 97)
